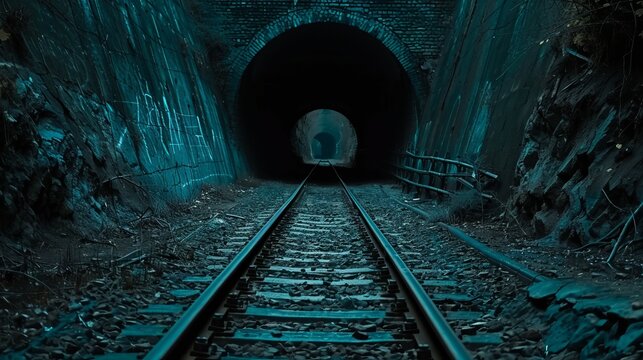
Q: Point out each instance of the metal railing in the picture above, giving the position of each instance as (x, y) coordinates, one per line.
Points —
(441, 175)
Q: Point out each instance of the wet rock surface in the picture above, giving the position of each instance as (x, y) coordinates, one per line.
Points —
(588, 320)
(43, 173)
(92, 127)
(579, 173)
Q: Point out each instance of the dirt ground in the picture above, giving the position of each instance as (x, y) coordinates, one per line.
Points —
(547, 256)
(121, 271)
(59, 300)
(586, 310)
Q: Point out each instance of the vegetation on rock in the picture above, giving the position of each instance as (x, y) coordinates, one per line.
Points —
(609, 31)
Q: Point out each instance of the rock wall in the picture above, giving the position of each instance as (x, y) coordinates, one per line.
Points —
(512, 95)
(104, 99)
(579, 174)
(492, 70)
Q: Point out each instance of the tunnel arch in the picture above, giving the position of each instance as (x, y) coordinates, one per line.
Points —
(301, 64)
(298, 18)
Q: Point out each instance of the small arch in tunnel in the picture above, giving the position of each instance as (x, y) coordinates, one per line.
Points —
(325, 134)
(325, 147)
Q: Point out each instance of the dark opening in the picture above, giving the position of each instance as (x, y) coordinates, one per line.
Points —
(329, 66)
(327, 146)
(335, 127)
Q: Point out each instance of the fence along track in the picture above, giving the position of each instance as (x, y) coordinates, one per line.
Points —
(349, 291)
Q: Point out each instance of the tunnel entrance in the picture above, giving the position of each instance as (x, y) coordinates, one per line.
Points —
(325, 66)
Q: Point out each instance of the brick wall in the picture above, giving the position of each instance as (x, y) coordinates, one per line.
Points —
(413, 30)
(420, 24)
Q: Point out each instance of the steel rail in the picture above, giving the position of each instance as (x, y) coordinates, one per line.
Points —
(450, 346)
(173, 344)
(489, 253)
(494, 256)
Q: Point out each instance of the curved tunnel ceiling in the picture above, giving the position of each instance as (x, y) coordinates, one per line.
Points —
(324, 65)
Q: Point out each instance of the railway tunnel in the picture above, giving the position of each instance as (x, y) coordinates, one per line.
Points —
(476, 192)
(323, 66)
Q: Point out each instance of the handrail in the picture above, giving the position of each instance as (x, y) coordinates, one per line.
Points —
(472, 187)
(169, 347)
(431, 172)
(449, 344)
(428, 187)
(405, 173)
(450, 161)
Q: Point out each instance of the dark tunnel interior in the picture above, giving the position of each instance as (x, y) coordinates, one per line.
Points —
(315, 66)
(327, 146)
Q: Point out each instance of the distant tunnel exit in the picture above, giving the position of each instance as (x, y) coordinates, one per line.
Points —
(325, 134)
(323, 70)
(325, 146)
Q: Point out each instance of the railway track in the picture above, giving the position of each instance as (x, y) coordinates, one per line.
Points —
(319, 280)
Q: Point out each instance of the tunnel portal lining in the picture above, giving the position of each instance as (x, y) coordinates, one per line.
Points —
(324, 65)
(296, 19)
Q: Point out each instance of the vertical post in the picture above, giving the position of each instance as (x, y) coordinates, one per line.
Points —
(423, 177)
(458, 185)
(432, 178)
(405, 173)
(415, 177)
(445, 170)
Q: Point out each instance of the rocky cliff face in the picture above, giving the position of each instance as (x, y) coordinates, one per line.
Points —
(550, 103)
(486, 83)
(104, 103)
(579, 174)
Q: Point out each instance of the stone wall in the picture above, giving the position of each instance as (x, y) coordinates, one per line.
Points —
(580, 171)
(125, 87)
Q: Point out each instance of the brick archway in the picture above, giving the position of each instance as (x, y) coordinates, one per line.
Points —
(296, 19)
